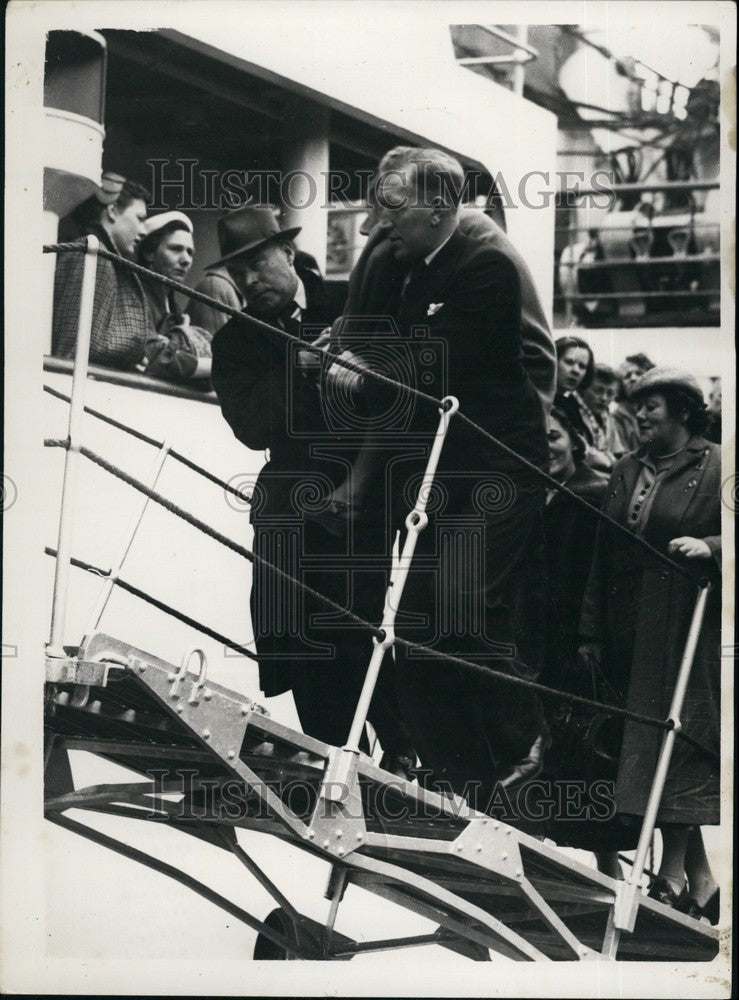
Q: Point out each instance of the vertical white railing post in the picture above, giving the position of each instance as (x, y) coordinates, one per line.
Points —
(55, 645)
(628, 892)
(415, 523)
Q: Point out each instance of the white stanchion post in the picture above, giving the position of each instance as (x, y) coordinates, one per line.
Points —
(55, 645)
(415, 523)
(629, 891)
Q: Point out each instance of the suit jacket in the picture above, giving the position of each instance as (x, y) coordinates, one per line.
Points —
(469, 300)
(377, 278)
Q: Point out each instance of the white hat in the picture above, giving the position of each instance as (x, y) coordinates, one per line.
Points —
(155, 222)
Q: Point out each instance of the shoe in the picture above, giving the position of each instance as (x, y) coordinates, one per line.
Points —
(712, 907)
(399, 764)
(689, 907)
(708, 911)
(661, 891)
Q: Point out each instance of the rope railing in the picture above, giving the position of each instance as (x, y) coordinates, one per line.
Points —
(160, 606)
(139, 435)
(376, 376)
(206, 529)
(377, 633)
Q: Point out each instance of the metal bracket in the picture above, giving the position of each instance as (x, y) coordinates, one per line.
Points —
(626, 906)
(73, 671)
(490, 843)
(337, 824)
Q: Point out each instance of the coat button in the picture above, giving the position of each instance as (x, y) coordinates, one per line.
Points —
(663, 576)
(692, 482)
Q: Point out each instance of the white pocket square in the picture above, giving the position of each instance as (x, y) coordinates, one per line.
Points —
(434, 307)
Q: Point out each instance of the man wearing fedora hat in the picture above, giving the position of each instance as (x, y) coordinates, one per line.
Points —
(240, 234)
(302, 645)
(251, 376)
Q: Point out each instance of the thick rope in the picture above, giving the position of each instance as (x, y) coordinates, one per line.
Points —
(378, 633)
(206, 529)
(160, 605)
(377, 376)
(157, 444)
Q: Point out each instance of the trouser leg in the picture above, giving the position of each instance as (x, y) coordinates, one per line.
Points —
(469, 727)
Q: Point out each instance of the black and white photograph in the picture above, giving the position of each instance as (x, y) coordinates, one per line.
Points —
(368, 498)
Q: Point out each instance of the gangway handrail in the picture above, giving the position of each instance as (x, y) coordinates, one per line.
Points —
(167, 609)
(338, 359)
(176, 455)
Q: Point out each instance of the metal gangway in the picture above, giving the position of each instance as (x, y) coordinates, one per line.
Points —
(486, 885)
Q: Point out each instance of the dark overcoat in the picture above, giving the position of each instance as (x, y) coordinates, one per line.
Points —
(484, 532)
(569, 530)
(641, 610)
(376, 279)
(270, 407)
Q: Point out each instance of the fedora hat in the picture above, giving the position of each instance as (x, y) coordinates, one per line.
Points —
(248, 229)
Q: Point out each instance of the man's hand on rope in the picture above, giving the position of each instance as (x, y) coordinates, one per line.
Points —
(311, 360)
(343, 381)
(690, 548)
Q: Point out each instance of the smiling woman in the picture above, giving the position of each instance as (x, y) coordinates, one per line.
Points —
(635, 620)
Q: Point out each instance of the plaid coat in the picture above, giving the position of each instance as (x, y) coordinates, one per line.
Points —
(120, 317)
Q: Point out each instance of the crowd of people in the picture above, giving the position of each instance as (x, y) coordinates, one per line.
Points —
(511, 573)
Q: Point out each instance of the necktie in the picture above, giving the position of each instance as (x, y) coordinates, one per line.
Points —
(289, 320)
(412, 296)
(414, 278)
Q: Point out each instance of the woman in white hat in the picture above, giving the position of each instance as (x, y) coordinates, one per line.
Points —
(175, 349)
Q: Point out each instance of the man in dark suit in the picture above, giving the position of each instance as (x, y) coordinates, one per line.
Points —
(471, 559)
(377, 275)
(270, 400)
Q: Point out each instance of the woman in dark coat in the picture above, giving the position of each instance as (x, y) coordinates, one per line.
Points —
(570, 530)
(570, 535)
(575, 374)
(636, 616)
